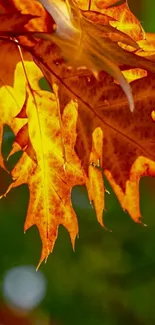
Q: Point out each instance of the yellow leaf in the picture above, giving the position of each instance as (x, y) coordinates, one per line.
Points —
(57, 170)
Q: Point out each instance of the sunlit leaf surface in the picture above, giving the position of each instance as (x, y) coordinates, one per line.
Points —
(98, 117)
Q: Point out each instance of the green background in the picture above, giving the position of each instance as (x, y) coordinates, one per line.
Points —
(110, 278)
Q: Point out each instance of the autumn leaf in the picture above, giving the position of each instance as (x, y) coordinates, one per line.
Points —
(85, 43)
(38, 18)
(11, 87)
(122, 19)
(13, 22)
(124, 142)
(82, 42)
(57, 170)
(98, 62)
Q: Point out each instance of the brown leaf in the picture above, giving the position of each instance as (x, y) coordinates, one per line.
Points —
(10, 22)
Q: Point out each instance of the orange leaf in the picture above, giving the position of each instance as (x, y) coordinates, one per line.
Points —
(124, 140)
(33, 8)
(13, 22)
(84, 127)
(57, 170)
(125, 21)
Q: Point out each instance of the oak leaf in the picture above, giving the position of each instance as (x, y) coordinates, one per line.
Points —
(84, 127)
(124, 142)
(57, 170)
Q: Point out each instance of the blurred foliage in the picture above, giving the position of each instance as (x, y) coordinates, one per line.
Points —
(145, 11)
(109, 279)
